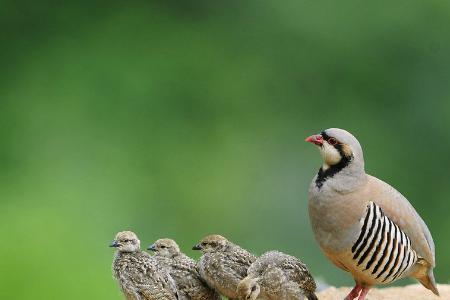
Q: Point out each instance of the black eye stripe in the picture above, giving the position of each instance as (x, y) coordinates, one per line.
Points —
(325, 136)
(332, 141)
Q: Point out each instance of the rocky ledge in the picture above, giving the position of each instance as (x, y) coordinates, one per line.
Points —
(410, 292)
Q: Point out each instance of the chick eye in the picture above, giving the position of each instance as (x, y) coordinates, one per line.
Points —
(163, 247)
(204, 244)
(332, 141)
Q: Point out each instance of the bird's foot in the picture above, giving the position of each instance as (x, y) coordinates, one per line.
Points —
(354, 293)
(363, 294)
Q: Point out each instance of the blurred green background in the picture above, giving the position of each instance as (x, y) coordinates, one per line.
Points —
(183, 118)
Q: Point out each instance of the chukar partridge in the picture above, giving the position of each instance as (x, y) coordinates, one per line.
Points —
(362, 224)
(183, 269)
(223, 264)
(277, 276)
(137, 272)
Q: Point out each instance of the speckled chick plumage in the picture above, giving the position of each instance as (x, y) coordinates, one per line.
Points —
(184, 271)
(223, 264)
(362, 224)
(137, 272)
(277, 276)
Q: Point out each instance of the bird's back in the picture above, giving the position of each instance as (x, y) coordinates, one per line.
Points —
(223, 270)
(283, 275)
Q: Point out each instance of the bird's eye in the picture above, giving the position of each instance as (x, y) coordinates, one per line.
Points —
(253, 288)
(163, 247)
(204, 244)
(332, 141)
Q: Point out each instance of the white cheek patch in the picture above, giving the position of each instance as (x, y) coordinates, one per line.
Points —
(330, 155)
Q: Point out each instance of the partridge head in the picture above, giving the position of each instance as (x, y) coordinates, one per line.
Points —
(212, 243)
(248, 288)
(165, 247)
(126, 241)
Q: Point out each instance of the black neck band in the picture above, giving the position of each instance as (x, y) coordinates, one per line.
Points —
(322, 175)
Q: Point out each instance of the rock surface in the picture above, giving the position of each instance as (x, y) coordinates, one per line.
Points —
(410, 292)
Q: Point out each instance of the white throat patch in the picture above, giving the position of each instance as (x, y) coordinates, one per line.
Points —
(330, 155)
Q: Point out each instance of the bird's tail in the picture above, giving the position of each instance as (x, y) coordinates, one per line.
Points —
(428, 281)
(311, 296)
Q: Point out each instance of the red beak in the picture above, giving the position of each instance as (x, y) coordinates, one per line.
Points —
(315, 139)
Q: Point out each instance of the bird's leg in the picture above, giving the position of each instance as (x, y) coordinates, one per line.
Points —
(354, 293)
(363, 294)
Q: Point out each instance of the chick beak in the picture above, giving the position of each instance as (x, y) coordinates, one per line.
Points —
(197, 247)
(152, 247)
(114, 244)
(316, 139)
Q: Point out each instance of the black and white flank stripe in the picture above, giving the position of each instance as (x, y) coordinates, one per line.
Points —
(382, 250)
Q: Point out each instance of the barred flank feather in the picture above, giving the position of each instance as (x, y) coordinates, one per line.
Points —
(382, 249)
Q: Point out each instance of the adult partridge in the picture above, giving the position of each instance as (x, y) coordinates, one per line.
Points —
(277, 276)
(362, 224)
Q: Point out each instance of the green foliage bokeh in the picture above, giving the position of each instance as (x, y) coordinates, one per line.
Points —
(183, 118)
